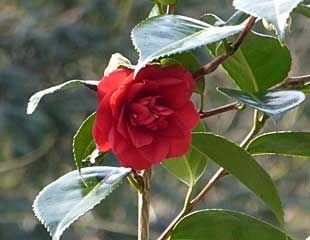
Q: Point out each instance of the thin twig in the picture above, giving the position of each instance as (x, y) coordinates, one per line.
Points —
(184, 211)
(222, 109)
(213, 65)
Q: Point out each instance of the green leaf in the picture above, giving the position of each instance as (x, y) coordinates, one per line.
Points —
(62, 202)
(274, 11)
(83, 143)
(36, 98)
(305, 88)
(241, 165)
(190, 167)
(162, 36)
(260, 63)
(296, 144)
(188, 61)
(273, 103)
(303, 9)
(225, 225)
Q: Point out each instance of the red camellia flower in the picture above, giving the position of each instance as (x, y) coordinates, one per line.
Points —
(145, 119)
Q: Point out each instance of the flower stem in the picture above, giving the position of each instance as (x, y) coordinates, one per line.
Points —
(144, 206)
(186, 209)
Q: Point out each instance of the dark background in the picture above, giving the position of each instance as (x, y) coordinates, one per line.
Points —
(43, 43)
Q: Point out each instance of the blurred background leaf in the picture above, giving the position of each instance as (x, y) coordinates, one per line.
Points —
(44, 43)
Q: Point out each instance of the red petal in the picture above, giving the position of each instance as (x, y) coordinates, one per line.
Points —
(102, 125)
(187, 115)
(127, 154)
(121, 125)
(156, 151)
(175, 96)
(169, 81)
(179, 146)
(131, 158)
(101, 140)
(175, 82)
(118, 97)
(140, 136)
(112, 82)
(174, 129)
(118, 142)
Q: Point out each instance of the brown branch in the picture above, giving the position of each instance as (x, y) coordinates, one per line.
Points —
(171, 8)
(257, 126)
(218, 175)
(292, 82)
(222, 109)
(213, 65)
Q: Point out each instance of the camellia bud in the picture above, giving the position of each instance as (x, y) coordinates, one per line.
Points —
(117, 60)
(268, 26)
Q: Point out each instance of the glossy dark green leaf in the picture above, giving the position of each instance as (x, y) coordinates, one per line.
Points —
(295, 144)
(225, 225)
(83, 143)
(274, 11)
(36, 98)
(62, 202)
(260, 63)
(241, 165)
(162, 36)
(304, 10)
(190, 167)
(273, 103)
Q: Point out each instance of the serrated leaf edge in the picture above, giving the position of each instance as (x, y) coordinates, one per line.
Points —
(280, 32)
(36, 98)
(151, 58)
(39, 217)
(74, 139)
(274, 116)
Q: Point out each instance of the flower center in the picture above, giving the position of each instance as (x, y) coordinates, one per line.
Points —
(149, 112)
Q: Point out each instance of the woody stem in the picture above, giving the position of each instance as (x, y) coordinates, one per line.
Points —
(213, 65)
(144, 205)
